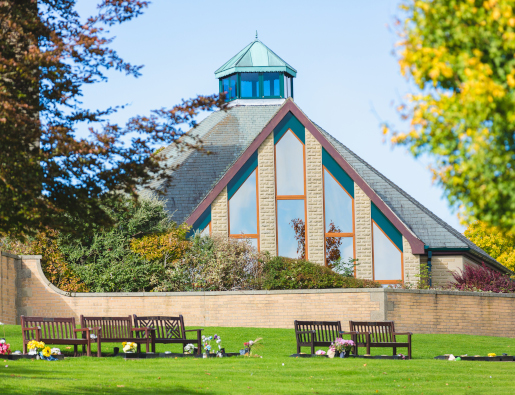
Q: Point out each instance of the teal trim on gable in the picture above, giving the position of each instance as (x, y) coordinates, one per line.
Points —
(202, 221)
(242, 175)
(290, 122)
(341, 176)
(386, 226)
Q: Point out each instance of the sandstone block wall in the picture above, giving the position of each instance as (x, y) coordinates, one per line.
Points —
(315, 200)
(442, 267)
(266, 185)
(8, 287)
(411, 263)
(220, 215)
(363, 229)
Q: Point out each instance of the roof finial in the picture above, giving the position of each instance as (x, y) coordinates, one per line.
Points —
(256, 35)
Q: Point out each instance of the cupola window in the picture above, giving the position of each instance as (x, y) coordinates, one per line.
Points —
(230, 87)
(271, 85)
(249, 85)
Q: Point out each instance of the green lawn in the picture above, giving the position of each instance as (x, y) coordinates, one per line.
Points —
(275, 373)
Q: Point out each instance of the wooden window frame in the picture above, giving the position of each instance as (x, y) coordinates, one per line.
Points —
(291, 197)
(327, 234)
(245, 235)
(386, 282)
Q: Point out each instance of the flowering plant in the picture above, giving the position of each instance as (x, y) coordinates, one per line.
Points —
(218, 340)
(320, 352)
(129, 347)
(340, 345)
(4, 347)
(189, 348)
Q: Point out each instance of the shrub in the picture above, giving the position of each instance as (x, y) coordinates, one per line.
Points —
(286, 273)
(54, 265)
(105, 261)
(482, 278)
(214, 264)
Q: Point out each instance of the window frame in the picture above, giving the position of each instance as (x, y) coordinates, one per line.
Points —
(245, 235)
(327, 234)
(385, 282)
(291, 197)
(261, 85)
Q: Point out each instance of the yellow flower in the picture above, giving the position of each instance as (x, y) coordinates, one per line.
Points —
(123, 344)
(47, 352)
(492, 354)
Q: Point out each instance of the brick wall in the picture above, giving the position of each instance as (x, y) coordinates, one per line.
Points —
(421, 311)
(418, 311)
(315, 200)
(8, 288)
(363, 227)
(266, 185)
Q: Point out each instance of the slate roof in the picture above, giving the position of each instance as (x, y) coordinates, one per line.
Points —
(228, 134)
(225, 134)
(427, 226)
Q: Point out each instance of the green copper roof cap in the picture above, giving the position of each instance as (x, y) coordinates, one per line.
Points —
(255, 57)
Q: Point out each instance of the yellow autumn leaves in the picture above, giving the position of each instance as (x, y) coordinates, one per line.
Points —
(461, 57)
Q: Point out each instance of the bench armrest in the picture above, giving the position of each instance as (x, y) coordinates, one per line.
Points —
(193, 330)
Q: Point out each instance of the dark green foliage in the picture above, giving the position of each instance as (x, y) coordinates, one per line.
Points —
(104, 261)
(286, 273)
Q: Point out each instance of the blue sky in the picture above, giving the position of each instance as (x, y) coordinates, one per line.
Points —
(347, 76)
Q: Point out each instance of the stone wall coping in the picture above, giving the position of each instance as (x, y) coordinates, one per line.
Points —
(249, 292)
(9, 255)
(456, 293)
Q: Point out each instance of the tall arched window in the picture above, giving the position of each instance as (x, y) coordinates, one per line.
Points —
(243, 211)
(339, 220)
(290, 195)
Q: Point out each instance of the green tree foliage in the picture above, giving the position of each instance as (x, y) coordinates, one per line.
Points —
(104, 261)
(493, 242)
(286, 273)
(50, 177)
(460, 56)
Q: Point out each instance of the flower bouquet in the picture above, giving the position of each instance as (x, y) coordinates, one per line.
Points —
(252, 345)
(129, 347)
(340, 347)
(320, 352)
(35, 347)
(189, 349)
(4, 347)
(206, 345)
(41, 351)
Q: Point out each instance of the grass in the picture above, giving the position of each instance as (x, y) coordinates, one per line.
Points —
(275, 373)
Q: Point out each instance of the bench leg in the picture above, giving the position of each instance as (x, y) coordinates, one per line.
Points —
(83, 348)
(138, 347)
(75, 350)
(89, 348)
(409, 346)
(99, 347)
(395, 351)
(298, 349)
(24, 348)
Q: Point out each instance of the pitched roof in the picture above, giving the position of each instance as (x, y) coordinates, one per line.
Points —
(255, 57)
(234, 135)
(225, 134)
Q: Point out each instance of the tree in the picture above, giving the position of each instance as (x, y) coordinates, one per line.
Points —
(493, 242)
(460, 57)
(49, 177)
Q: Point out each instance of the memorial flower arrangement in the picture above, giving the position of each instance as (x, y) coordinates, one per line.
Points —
(4, 347)
(340, 346)
(189, 349)
(320, 352)
(252, 345)
(129, 347)
(35, 347)
(206, 344)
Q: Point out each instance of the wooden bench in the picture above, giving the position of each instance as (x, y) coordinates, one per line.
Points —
(57, 331)
(119, 329)
(169, 330)
(379, 334)
(319, 333)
